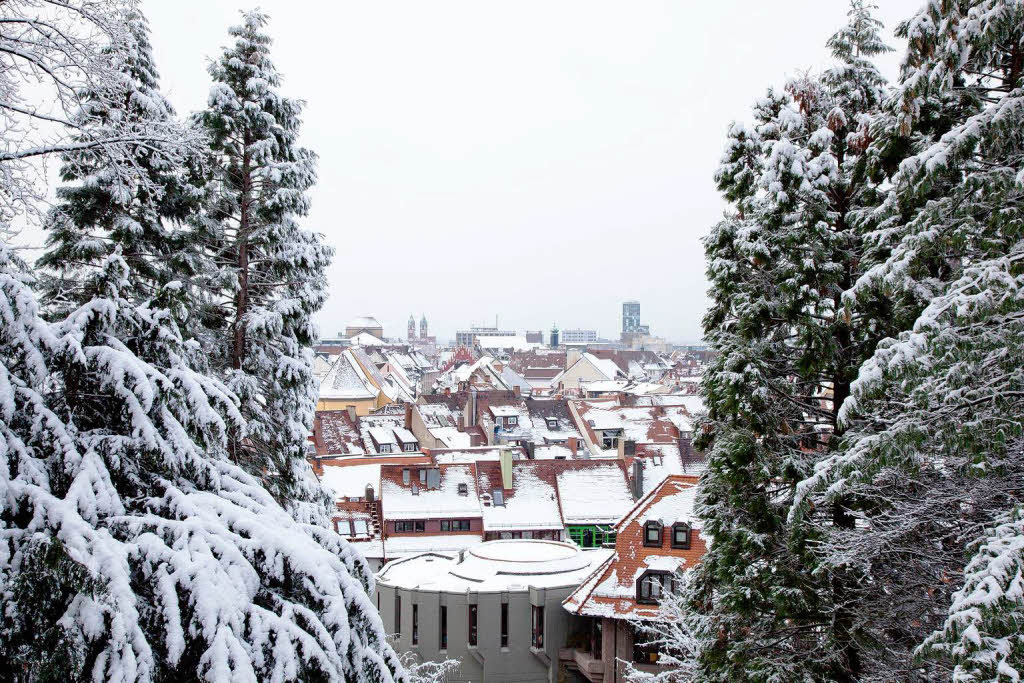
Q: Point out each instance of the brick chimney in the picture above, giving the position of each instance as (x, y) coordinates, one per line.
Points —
(408, 416)
(573, 446)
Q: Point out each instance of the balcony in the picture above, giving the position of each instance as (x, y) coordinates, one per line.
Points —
(584, 662)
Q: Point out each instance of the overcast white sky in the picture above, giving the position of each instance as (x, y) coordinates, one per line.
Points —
(542, 161)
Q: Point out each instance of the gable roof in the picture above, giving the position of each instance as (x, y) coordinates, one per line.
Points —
(592, 491)
(416, 501)
(347, 380)
(336, 434)
(611, 590)
(531, 503)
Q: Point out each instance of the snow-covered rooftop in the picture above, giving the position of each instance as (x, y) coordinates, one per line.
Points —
(496, 566)
(346, 380)
(531, 503)
(596, 494)
(350, 481)
(418, 501)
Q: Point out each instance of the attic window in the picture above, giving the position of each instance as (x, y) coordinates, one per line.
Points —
(552, 423)
(681, 534)
(652, 534)
(499, 497)
(511, 421)
(652, 587)
(463, 490)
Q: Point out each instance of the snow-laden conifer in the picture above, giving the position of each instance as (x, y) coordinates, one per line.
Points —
(789, 347)
(935, 440)
(133, 549)
(268, 272)
(141, 207)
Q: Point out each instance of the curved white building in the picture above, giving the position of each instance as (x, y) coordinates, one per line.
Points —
(496, 607)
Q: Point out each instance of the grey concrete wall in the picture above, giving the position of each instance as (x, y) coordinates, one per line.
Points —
(488, 661)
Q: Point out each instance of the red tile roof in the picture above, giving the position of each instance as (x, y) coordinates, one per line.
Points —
(611, 590)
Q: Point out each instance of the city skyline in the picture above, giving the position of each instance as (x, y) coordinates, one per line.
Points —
(392, 331)
(579, 156)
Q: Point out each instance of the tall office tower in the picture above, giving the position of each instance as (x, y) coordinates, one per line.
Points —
(630, 317)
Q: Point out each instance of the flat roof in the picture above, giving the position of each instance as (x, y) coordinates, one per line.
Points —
(492, 566)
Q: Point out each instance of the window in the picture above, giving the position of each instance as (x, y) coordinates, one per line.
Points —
(653, 586)
(415, 624)
(681, 535)
(537, 635)
(472, 625)
(454, 525)
(405, 477)
(591, 536)
(463, 489)
(652, 534)
(504, 624)
(415, 490)
(410, 447)
(408, 527)
(511, 421)
(498, 496)
(398, 614)
(361, 528)
(385, 448)
(423, 477)
(552, 423)
(442, 633)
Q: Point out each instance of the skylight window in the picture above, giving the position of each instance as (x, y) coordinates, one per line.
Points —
(499, 497)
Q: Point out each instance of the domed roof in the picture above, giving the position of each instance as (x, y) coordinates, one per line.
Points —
(364, 321)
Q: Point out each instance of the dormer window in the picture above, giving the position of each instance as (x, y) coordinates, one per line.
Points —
(652, 586)
(552, 423)
(511, 421)
(463, 489)
(410, 447)
(681, 533)
(652, 534)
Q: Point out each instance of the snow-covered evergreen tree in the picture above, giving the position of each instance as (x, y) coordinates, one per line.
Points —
(935, 440)
(132, 549)
(141, 208)
(789, 347)
(268, 271)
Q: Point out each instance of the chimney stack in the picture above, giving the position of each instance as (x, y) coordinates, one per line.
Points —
(505, 458)
(408, 416)
(573, 446)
